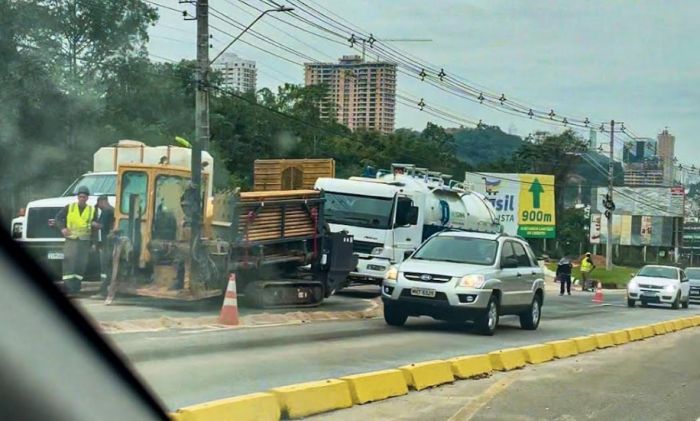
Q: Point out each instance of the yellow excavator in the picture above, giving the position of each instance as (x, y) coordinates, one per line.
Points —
(274, 241)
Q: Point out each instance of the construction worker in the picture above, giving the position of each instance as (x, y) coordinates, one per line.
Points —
(587, 267)
(75, 223)
(105, 242)
(564, 275)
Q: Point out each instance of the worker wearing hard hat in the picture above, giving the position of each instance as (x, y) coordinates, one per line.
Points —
(75, 223)
(586, 267)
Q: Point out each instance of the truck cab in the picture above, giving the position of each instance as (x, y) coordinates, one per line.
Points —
(392, 214)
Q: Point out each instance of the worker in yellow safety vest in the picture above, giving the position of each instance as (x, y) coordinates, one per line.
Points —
(586, 267)
(75, 222)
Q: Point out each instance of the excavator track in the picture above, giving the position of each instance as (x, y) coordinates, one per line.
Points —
(281, 294)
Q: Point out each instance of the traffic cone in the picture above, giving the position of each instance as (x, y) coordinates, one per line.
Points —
(229, 311)
(598, 297)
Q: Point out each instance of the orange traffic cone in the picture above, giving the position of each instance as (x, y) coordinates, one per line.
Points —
(229, 311)
(598, 297)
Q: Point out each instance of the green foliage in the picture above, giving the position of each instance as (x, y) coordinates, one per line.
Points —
(485, 145)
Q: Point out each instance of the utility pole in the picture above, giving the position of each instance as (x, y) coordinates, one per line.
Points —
(201, 141)
(609, 242)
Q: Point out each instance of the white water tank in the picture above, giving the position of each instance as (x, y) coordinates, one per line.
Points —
(108, 158)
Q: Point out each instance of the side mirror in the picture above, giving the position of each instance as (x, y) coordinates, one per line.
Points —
(407, 254)
(509, 263)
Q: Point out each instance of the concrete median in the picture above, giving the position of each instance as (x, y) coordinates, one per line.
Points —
(471, 366)
(659, 328)
(696, 321)
(507, 359)
(427, 374)
(564, 349)
(620, 337)
(678, 324)
(604, 340)
(648, 331)
(670, 326)
(687, 322)
(585, 344)
(537, 354)
(376, 386)
(310, 398)
(253, 407)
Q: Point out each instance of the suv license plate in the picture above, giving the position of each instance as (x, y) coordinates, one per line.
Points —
(694, 292)
(55, 256)
(649, 294)
(423, 292)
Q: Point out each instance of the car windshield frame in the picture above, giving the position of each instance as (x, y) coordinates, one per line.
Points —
(386, 214)
(441, 254)
(97, 182)
(657, 272)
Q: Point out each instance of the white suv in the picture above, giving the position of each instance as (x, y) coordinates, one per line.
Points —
(660, 285)
(694, 276)
(460, 276)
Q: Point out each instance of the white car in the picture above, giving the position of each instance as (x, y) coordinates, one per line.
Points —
(694, 276)
(659, 285)
(460, 276)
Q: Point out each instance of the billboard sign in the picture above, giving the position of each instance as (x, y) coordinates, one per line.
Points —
(524, 203)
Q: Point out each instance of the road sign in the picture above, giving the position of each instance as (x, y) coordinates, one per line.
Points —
(536, 212)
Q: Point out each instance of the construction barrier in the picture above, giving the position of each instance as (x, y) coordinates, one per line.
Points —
(507, 359)
(635, 334)
(604, 340)
(648, 331)
(659, 328)
(253, 407)
(620, 337)
(375, 386)
(537, 354)
(678, 324)
(471, 366)
(421, 376)
(585, 344)
(301, 400)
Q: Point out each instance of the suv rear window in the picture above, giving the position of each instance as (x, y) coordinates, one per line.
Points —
(521, 255)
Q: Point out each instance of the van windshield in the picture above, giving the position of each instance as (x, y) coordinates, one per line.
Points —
(97, 184)
(359, 211)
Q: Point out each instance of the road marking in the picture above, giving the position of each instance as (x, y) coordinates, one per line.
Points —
(469, 410)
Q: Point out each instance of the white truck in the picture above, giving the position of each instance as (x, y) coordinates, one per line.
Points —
(392, 214)
(35, 229)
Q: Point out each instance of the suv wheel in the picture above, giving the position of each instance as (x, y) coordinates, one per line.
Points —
(530, 319)
(686, 302)
(676, 303)
(393, 316)
(630, 303)
(487, 322)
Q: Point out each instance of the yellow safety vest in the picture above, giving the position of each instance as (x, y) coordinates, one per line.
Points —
(79, 223)
(586, 265)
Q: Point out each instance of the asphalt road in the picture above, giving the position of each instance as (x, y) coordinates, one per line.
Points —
(191, 366)
(655, 379)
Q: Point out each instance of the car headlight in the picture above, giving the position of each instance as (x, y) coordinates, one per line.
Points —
(471, 281)
(392, 273)
(632, 285)
(377, 251)
(17, 230)
(670, 288)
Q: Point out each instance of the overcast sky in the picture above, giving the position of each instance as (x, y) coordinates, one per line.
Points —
(637, 62)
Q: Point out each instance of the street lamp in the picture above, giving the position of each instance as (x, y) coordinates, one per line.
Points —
(277, 9)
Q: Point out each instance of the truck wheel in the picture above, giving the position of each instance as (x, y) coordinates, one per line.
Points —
(487, 322)
(630, 303)
(676, 303)
(394, 316)
(530, 319)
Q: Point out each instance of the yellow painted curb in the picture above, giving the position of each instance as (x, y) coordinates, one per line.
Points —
(256, 406)
(620, 337)
(678, 323)
(648, 331)
(635, 334)
(428, 374)
(536, 354)
(471, 366)
(585, 344)
(604, 340)
(563, 349)
(687, 322)
(659, 328)
(376, 386)
(670, 326)
(310, 398)
(507, 359)
(696, 321)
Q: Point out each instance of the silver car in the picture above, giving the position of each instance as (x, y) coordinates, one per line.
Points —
(460, 276)
(693, 274)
